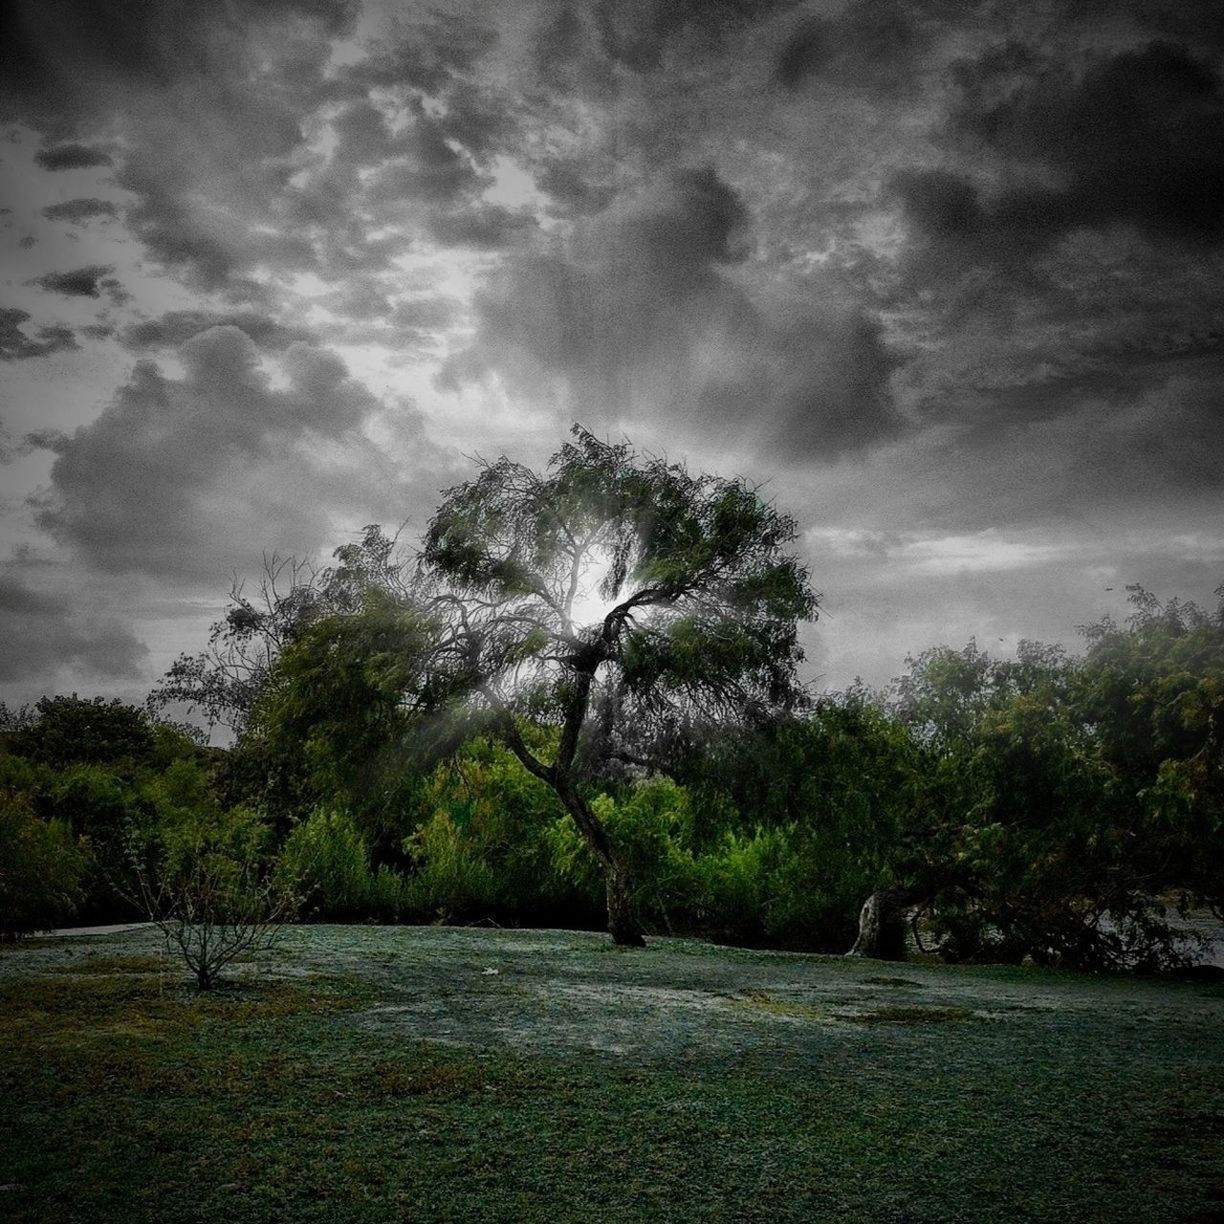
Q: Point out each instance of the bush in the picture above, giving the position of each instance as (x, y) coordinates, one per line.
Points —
(41, 869)
(764, 886)
(485, 847)
(650, 822)
(327, 859)
(207, 885)
(453, 881)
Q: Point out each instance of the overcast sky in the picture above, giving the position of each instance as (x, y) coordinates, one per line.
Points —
(943, 276)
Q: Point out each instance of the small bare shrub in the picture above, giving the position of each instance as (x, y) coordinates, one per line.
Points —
(209, 890)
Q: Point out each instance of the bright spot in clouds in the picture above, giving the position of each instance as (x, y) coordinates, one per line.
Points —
(277, 275)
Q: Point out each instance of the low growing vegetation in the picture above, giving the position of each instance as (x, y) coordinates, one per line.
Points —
(385, 1073)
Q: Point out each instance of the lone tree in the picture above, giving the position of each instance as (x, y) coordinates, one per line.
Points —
(613, 594)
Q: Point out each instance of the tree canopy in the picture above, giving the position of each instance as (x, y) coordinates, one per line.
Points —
(608, 595)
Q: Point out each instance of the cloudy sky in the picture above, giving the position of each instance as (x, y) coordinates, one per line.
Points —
(944, 276)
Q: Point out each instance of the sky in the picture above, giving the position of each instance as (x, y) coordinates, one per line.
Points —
(943, 278)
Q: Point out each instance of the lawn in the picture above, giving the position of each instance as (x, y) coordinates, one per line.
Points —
(379, 1073)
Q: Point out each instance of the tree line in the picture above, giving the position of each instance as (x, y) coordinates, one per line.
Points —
(577, 703)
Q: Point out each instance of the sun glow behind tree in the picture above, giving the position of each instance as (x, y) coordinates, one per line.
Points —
(605, 598)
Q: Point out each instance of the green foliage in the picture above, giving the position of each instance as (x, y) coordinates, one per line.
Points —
(651, 823)
(605, 596)
(1155, 694)
(42, 869)
(1064, 799)
(484, 846)
(331, 716)
(738, 882)
(206, 881)
(800, 820)
(327, 860)
(453, 881)
(178, 837)
(72, 730)
(691, 594)
(98, 806)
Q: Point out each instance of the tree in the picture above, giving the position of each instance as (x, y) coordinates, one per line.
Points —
(74, 730)
(330, 725)
(225, 681)
(1062, 800)
(606, 597)
(1155, 692)
(837, 786)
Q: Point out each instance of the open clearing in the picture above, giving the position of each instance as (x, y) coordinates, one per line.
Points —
(387, 1073)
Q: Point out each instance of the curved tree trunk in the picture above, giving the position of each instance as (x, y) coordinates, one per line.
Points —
(881, 934)
(623, 925)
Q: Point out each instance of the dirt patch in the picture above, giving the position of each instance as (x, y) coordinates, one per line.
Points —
(761, 1002)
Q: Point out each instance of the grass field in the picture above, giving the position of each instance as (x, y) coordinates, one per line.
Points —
(425, 1074)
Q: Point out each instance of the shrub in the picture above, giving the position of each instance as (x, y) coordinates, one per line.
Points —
(453, 881)
(207, 885)
(738, 882)
(327, 859)
(651, 824)
(484, 848)
(41, 869)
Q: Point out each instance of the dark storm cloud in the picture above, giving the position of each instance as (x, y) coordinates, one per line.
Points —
(1137, 436)
(1132, 138)
(1168, 440)
(869, 44)
(71, 157)
(427, 312)
(183, 476)
(42, 634)
(361, 300)
(363, 134)
(639, 318)
(415, 326)
(427, 55)
(15, 345)
(210, 99)
(427, 165)
(638, 33)
(46, 439)
(585, 48)
(81, 282)
(572, 188)
(422, 177)
(1139, 135)
(77, 211)
(221, 109)
(61, 59)
(192, 188)
(481, 122)
(176, 326)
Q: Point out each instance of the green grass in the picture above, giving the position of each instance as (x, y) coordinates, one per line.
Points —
(374, 1074)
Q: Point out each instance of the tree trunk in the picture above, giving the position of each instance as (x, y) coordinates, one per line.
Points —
(623, 925)
(881, 934)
